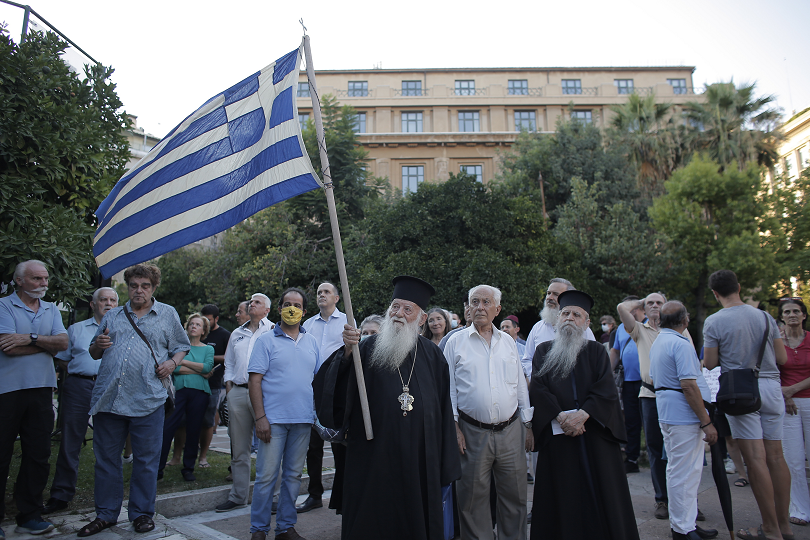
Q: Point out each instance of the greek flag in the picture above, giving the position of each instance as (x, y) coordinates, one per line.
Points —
(240, 152)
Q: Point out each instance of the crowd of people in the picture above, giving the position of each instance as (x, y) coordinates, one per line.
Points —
(465, 414)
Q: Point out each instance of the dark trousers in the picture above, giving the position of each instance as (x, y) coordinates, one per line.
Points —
(189, 405)
(75, 406)
(29, 414)
(315, 464)
(632, 418)
(655, 447)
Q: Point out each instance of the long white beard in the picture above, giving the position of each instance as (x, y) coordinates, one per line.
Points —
(562, 356)
(39, 292)
(550, 315)
(394, 343)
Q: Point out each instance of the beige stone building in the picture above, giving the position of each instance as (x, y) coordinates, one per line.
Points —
(794, 152)
(419, 125)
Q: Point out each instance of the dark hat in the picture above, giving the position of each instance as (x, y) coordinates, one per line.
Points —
(576, 298)
(414, 290)
(514, 319)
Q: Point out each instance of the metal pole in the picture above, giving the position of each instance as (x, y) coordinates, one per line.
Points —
(330, 201)
(25, 24)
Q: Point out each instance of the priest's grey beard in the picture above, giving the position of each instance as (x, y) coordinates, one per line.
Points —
(394, 343)
(562, 356)
(550, 315)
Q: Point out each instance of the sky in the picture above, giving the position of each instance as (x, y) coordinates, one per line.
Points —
(170, 57)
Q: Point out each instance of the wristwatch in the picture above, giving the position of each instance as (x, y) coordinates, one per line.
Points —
(34, 338)
(528, 425)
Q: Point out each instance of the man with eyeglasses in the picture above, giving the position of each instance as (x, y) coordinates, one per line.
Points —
(493, 421)
(394, 483)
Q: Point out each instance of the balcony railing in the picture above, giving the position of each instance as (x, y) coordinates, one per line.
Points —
(538, 92)
(354, 93)
(412, 92)
(471, 92)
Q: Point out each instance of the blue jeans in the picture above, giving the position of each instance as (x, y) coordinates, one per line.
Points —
(109, 435)
(655, 447)
(288, 446)
(75, 398)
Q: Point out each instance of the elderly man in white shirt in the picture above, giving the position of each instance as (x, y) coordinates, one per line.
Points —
(240, 411)
(493, 421)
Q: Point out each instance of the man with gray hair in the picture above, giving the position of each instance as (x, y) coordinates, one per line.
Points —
(82, 370)
(31, 333)
(545, 329)
(240, 411)
(493, 421)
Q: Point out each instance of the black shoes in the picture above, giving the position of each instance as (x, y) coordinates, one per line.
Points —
(53, 505)
(706, 533)
(309, 504)
(691, 535)
(229, 505)
(188, 476)
(630, 467)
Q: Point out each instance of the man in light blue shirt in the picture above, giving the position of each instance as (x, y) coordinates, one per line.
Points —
(31, 332)
(281, 369)
(680, 393)
(327, 329)
(75, 397)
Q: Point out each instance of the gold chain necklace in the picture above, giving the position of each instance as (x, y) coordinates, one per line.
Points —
(405, 398)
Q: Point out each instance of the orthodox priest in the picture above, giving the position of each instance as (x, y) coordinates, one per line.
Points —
(393, 484)
(580, 488)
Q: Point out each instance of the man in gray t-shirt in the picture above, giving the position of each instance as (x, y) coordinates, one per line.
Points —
(732, 339)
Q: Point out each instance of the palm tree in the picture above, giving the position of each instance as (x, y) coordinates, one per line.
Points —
(733, 126)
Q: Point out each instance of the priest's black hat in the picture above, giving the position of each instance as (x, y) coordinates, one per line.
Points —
(576, 298)
(414, 290)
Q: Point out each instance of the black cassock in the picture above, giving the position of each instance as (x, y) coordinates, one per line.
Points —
(392, 486)
(580, 489)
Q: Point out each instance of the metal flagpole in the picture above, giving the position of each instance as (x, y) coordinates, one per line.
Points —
(330, 200)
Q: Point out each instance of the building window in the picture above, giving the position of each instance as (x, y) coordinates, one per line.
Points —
(411, 88)
(303, 89)
(465, 88)
(302, 121)
(625, 86)
(358, 88)
(802, 158)
(582, 116)
(525, 120)
(474, 170)
(412, 122)
(412, 176)
(571, 86)
(468, 121)
(678, 85)
(518, 87)
(359, 125)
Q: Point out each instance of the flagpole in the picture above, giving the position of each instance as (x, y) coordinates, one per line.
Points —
(330, 201)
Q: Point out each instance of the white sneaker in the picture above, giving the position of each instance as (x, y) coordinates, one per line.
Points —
(128, 459)
(730, 467)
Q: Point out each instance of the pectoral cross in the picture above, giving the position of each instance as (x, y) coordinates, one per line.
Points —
(405, 401)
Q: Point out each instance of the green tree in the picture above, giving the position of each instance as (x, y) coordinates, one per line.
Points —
(61, 150)
(458, 234)
(733, 126)
(713, 219)
(792, 210)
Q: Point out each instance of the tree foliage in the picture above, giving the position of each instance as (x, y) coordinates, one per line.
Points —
(61, 150)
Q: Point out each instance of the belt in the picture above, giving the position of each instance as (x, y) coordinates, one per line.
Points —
(88, 377)
(241, 385)
(491, 427)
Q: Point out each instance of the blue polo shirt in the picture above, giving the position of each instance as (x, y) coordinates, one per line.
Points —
(32, 370)
(79, 360)
(672, 359)
(287, 367)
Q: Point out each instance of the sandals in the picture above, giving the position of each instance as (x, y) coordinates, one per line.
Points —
(204, 465)
(741, 482)
(143, 524)
(798, 521)
(95, 527)
(745, 535)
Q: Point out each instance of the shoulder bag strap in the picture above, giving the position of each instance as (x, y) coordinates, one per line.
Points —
(764, 342)
(138, 330)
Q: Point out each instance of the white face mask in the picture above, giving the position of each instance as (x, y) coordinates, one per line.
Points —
(453, 323)
(605, 327)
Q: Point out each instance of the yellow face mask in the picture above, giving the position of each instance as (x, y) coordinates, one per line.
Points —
(291, 315)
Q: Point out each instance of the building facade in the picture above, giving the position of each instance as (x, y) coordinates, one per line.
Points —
(421, 125)
(794, 151)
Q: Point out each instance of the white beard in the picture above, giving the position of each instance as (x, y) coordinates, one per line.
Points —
(550, 315)
(39, 292)
(394, 343)
(562, 356)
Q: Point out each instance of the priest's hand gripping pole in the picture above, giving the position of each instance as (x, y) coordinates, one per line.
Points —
(330, 201)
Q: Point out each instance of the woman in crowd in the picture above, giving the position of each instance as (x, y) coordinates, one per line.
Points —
(192, 395)
(370, 326)
(437, 326)
(796, 389)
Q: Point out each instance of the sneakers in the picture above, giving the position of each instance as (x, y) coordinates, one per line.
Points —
(529, 478)
(35, 526)
(289, 534)
(630, 467)
(661, 510)
(730, 467)
(229, 505)
(128, 459)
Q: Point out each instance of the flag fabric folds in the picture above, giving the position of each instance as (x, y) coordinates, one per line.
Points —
(239, 153)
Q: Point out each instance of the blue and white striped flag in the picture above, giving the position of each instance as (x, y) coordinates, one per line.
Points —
(240, 152)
